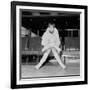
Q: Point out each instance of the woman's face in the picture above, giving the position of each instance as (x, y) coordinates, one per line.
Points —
(51, 28)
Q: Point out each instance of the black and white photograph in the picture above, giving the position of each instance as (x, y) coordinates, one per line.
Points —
(48, 44)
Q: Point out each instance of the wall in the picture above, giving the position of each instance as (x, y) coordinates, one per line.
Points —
(5, 44)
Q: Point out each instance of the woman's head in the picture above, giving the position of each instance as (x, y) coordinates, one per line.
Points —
(51, 26)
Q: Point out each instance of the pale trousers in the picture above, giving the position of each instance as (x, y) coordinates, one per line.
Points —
(56, 55)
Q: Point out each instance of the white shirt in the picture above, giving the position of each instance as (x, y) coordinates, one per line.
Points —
(50, 38)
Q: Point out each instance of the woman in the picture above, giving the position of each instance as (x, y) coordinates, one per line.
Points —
(51, 42)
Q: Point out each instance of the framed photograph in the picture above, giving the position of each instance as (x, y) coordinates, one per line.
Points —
(48, 44)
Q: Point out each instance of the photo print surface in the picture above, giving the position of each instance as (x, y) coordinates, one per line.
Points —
(38, 58)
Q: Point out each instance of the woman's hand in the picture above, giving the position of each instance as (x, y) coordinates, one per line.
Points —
(57, 48)
(45, 48)
(50, 46)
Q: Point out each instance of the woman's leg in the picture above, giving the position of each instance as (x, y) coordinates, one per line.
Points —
(57, 48)
(43, 59)
(58, 58)
(46, 47)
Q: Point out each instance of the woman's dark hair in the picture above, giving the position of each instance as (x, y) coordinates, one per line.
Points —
(51, 23)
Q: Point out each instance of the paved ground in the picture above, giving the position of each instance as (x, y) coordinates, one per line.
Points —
(48, 70)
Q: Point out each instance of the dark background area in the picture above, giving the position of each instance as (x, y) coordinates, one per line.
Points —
(61, 22)
(38, 21)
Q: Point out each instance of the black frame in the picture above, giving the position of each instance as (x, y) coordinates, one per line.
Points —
(13, 44)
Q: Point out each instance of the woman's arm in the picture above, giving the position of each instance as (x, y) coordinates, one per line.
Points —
(45, 38)
(57, 38)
